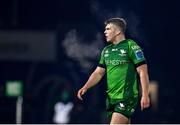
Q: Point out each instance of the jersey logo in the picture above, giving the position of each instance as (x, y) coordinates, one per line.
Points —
(106, 55)
(106, 51)
(122, 52)
(135, 47)
(121, 106)
(114, 49)
(132, 110)
(139, 55)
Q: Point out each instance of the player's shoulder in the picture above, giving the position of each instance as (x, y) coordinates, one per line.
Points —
(133, 45)
(107, 47)
(131, 42)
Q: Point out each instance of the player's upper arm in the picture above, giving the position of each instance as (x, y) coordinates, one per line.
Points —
(142, 69)
(100, 70)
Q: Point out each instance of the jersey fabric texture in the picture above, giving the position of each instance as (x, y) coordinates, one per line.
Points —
(120, 62)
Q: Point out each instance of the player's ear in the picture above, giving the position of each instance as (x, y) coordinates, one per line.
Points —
(118, 31)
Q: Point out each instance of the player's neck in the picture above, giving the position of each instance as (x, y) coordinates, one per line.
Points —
(119, 39)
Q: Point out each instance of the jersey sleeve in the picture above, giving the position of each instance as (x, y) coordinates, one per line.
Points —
(136, 54)
(102, 60)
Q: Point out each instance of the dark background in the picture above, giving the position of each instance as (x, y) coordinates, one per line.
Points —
(154, 24)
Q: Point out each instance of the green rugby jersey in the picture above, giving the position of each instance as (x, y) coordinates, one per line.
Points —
(120, 61)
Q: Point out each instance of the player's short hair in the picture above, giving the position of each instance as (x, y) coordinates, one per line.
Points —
(120, 22)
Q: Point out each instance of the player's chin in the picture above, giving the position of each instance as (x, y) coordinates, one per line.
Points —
(108, 40)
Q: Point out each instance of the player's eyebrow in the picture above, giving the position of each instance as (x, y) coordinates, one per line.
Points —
(107, 28)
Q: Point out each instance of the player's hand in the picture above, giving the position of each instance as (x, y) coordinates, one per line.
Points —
(81, 92)
(145, 102)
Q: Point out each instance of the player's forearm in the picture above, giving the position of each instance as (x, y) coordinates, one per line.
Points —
(144, 79)
(93, 80)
